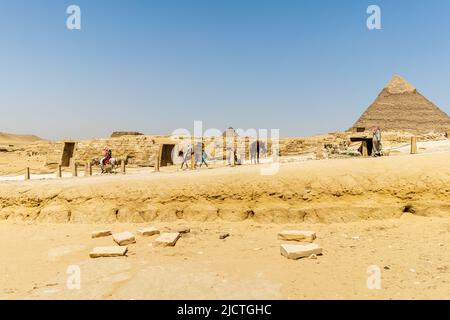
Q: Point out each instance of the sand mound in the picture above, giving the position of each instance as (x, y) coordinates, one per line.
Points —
(317, 191)
(17, 138)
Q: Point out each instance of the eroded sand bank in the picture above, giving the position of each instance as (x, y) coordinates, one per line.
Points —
(314, 191)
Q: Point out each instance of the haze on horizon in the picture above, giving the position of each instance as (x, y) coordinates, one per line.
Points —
(304, 67)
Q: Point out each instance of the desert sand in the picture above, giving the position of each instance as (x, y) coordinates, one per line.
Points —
(391, 212)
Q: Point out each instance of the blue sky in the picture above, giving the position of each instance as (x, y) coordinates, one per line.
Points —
(303, 66)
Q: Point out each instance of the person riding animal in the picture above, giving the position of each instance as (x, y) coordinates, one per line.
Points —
(106, 157)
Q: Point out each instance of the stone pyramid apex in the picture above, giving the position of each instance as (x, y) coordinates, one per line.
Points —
(399, 85)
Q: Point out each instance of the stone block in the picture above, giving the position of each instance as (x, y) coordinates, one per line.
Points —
(115, 251)
(148, 231)
(297, 251)
(297, 235)
(101, 233)
(167, 239)
(124, 238)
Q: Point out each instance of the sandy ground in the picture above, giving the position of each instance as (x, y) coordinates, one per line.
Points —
(391, 212)
(412, 253)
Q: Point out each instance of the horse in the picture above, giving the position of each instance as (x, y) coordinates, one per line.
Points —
(112, 164)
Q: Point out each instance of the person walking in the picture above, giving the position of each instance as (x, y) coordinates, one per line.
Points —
(186, 157)
(204, 157)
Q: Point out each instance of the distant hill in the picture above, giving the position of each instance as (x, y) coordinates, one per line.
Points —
(17, 138)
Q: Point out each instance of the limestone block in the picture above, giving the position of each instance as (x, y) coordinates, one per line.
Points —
(148, 231)
(116, 251)
(124, 238)
(297, 251)
(167, 239)
(297, 235)
(101, 233)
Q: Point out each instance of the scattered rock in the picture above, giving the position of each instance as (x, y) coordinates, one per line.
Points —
(124, 238)
(224, 236)
(184, 230)
(148, 231)
(313, 257)
(167, 239)
(297, 251)
(296, 235)
(387, 268)
(102, 233)
(99, 252)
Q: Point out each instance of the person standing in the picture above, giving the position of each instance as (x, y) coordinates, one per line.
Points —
(376, 142)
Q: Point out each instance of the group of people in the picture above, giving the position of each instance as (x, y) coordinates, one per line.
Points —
(189, 153)
(257, 148)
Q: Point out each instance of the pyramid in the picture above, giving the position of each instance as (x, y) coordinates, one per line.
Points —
(400, 107)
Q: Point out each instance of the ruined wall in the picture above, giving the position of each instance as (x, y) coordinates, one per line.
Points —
(138, 150)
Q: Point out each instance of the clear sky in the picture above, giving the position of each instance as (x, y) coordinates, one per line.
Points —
(303, 66)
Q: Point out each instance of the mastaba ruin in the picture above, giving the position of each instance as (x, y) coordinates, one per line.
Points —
(400, 107)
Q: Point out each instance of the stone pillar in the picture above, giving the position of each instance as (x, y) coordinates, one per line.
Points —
(365, 152)
(27, 173)
(413, 145)
(122, 166)
(88, 171)
(319, 152)
(158, 159)
(59, 171)
(74, 169)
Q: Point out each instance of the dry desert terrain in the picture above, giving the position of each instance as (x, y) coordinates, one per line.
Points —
(391, 212)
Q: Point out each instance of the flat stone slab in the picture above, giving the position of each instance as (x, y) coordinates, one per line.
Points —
(297, 235)
(124, 238)
(107, 252)
(167, 239)
(101, 233)
(297, 251)
(184, 230)
(148, 231)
